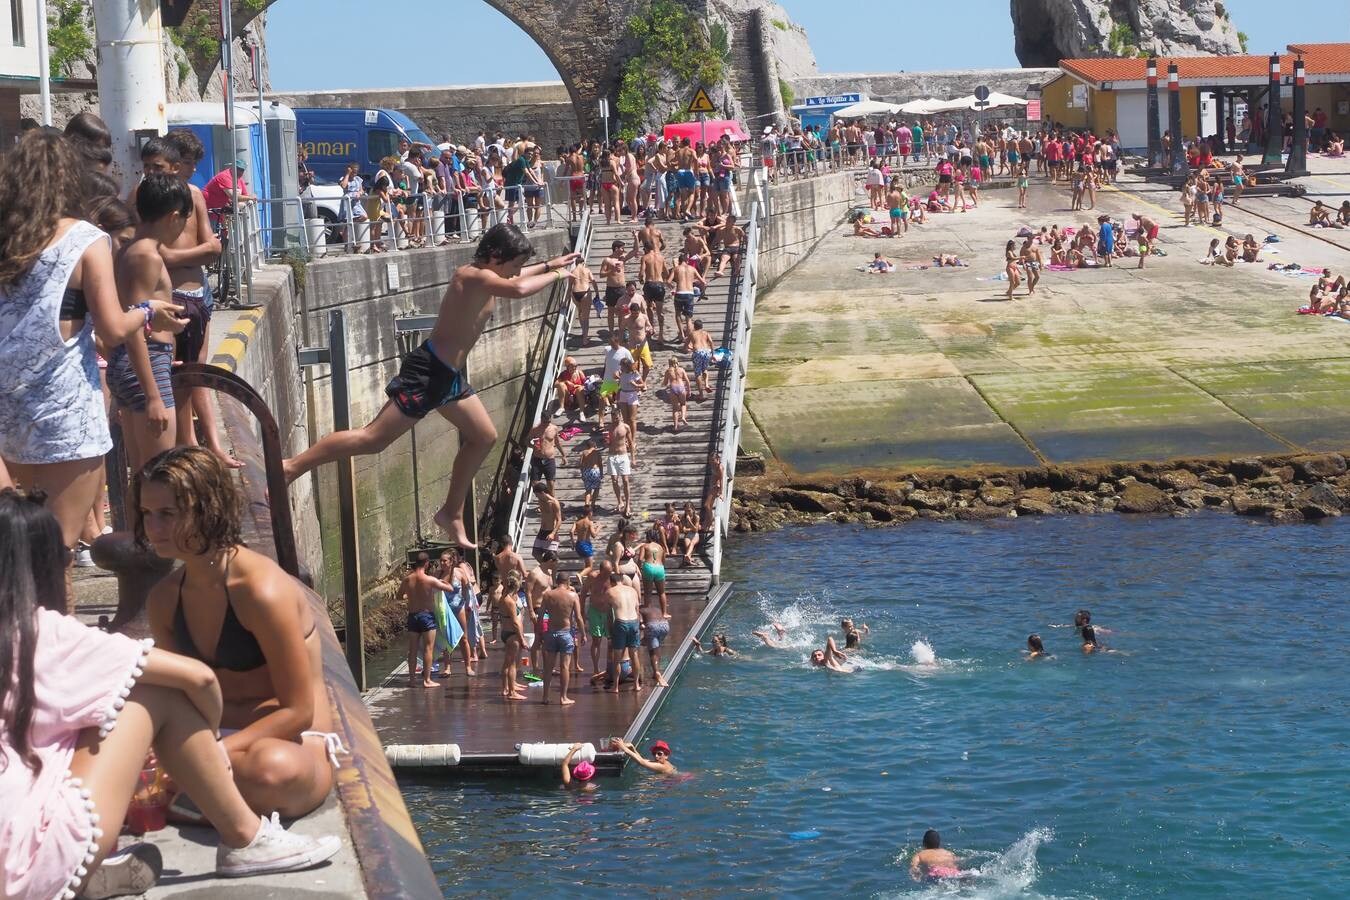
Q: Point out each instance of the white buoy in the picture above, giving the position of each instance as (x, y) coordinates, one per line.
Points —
(418, 756)
(542, 754)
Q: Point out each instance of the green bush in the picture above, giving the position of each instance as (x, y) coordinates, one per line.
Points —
(1242, 40)
(785, 91)
(68, 36)
(1122, 40)
(669, 39)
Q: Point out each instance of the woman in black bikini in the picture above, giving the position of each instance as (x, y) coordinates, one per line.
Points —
(248, 620)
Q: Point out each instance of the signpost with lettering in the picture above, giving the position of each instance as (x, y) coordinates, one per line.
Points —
(833, 100)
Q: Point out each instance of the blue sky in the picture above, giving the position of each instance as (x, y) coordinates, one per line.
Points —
(317, 44)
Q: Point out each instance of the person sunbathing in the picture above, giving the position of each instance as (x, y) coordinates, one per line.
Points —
(1231, 250)
(879, 265)
(1335, 145)
(1319, 215)
(949, 260)
(1251, 250)
(1058, 256)
(861, 229)
(1343, 214)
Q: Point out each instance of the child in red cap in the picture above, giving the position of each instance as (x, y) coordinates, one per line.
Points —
(660, 761)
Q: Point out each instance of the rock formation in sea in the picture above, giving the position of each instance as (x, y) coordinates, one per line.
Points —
(1047, 31)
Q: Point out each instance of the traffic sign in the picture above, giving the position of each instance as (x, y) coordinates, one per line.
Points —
(701, 103)
(982, 92)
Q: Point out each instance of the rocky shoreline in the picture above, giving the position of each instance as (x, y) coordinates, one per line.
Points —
(1281, 489)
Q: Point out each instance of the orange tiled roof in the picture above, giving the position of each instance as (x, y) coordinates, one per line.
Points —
(1318, 59)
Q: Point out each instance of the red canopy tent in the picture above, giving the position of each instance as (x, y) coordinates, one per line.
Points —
(716, 128)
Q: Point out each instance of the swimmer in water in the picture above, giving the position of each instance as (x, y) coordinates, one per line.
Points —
(1090, 642)
(579, 776)
(933, 861)
(719, 646)
(1036, 649)
(830, 658)
(775, 643)
(660, 761)
(853, 635)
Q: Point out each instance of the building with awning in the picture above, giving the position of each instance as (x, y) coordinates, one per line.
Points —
(19, 66)
(1111, 93)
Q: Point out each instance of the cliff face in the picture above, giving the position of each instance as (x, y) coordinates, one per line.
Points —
(1047, 31)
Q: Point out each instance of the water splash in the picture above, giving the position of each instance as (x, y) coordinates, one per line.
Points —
(1011, 873)
(923, 653)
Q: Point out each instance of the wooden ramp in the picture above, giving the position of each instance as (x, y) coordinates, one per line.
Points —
(470, 712)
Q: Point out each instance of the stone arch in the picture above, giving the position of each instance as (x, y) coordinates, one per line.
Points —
(582, 38)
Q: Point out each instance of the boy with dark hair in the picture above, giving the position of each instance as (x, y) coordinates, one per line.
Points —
(157, 156)
(139, 371)
(187, 258)
(431, 377)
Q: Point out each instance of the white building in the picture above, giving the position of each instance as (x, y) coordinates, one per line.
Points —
(19, 64)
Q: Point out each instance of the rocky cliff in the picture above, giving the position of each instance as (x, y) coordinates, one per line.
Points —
(1047, 31)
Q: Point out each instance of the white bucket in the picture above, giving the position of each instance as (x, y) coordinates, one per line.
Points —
(316, 230)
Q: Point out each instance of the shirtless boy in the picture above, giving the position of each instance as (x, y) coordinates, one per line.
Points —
(595, 606)
(563, 608)
(614, 269)
(620, 462)
(685, 180)
(548, 451)
(431, 377)
(655, 276)
(537, 582)
(655, 631)
(700, 347)
(187, 258)
(550, 519)
(420, 588)
(508, 560)
(933, 861)
(732, 238)
(624, 630)
(1147, 233)
(637, 327)
(686, 279)
(139, 370)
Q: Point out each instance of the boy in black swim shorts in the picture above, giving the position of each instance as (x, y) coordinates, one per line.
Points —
(431, 377)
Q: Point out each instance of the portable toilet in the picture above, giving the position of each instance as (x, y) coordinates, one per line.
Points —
(207, 121)
(284, 173)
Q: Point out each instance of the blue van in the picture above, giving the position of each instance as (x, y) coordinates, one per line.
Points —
(334, 137)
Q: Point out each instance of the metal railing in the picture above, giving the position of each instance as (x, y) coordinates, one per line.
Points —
(548, 370)
(731, 399)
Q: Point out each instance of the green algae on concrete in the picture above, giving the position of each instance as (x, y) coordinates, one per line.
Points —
(1304, 401)
(914, 422)
(1128, 413)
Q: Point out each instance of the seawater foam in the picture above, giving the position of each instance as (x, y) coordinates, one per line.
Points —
(1009, 874)
(923, 653)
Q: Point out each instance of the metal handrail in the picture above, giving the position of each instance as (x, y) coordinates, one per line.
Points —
(551, 366)
(730, 407)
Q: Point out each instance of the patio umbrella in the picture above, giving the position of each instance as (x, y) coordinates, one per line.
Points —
(866, 108)
(716, 128)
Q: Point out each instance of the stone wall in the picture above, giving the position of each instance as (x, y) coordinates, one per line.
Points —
(900, 87)
(360, 286)
(543, 109)
(800, 214)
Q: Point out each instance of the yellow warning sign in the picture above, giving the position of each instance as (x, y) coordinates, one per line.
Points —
(701, 103)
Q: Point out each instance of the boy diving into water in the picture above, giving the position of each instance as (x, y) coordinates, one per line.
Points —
(431, 377)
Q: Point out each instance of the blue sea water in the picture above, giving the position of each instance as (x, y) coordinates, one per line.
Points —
(1209, 757)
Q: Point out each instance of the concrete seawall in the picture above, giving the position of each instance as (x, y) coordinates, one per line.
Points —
(261, 347)
(801, 213)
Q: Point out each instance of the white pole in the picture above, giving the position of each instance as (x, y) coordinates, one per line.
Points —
(130, 77)
(44, 63)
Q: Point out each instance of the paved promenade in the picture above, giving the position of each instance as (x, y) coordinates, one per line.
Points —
(934, 368)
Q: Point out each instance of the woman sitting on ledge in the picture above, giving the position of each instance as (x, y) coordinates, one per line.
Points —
(79, 709)
(241, 614)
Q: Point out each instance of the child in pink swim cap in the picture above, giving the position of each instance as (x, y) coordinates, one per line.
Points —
(580, 775)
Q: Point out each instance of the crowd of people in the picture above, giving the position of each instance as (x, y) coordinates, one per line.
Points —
(618, 601)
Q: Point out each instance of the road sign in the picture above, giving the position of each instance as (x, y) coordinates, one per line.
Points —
(701, 103)
(982, 92)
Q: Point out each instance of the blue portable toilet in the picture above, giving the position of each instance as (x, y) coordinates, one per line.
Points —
(283, 171)
(207, 121)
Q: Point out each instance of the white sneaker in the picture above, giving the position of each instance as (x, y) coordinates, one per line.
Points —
(130, 871)
(274, 849)
(82, 559)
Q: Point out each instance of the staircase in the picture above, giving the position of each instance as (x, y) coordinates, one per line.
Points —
(746, 73)
(671, 467)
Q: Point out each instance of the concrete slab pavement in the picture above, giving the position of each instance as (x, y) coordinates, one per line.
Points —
(933, 367)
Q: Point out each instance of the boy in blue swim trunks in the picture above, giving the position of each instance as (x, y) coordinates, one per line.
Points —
(420, 588)
(563, 608)
(431, 378)
(700, 347)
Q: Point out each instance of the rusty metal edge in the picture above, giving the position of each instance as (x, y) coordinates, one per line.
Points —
(392, 859)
